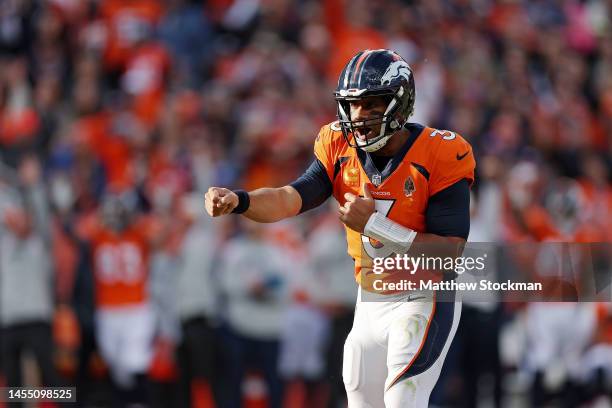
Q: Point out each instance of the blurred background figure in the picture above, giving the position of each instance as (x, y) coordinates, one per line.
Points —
(124, 319)
(26, 281)
(197, 305)
(333, 291)
(254, 282)
(305, 329)
(594, 374)
(474, 371)
(163, 99)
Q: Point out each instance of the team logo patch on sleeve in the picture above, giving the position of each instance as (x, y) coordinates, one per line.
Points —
(409, 187)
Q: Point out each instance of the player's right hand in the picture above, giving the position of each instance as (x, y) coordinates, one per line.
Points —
(220, 201)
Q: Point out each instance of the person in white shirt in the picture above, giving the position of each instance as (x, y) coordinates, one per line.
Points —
(253, 281)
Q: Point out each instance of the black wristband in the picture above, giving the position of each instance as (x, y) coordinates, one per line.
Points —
(243, 202)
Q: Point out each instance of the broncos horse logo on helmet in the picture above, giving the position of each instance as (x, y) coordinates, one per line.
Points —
(396, 69)
(375, 73)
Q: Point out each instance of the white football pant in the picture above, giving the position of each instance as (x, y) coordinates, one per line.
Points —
(125, 339)
(394, 353)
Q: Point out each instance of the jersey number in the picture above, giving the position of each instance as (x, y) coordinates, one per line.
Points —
(121, 263)
(373, 248)
(446, 134)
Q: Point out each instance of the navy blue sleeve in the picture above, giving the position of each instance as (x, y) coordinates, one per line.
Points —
(448, 211)
(314, 186)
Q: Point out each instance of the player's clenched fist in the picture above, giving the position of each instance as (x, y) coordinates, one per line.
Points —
(220, 201)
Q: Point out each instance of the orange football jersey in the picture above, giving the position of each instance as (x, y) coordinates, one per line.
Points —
(430, 161)
(120, 268)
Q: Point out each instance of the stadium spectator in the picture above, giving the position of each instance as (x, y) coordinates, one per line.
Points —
(254, 283)
(197, 306)
(334, 293)
(26, 279)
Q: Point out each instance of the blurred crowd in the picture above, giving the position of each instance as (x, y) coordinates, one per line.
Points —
(117, 115)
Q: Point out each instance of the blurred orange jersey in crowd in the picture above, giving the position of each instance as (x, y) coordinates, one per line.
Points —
(144, 80)
(94, 134)
(120, 267)
(435, 160)
(126, 20)
(347, 36)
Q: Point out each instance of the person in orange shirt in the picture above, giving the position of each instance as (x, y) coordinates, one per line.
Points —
(144, 80)
(124, 321)
(399, 186)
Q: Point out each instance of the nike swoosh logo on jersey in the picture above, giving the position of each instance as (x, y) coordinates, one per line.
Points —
(462, 156)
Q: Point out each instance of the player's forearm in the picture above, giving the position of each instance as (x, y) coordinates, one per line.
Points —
(433, 245)
(273, 204)
(404, 240)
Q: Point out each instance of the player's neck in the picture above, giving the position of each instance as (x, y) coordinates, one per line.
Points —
(394, 144)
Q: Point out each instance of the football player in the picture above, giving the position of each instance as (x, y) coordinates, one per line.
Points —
(397, 184)
(125, 322)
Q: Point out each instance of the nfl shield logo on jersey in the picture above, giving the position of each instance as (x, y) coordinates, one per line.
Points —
(409, 187)
(376, 179)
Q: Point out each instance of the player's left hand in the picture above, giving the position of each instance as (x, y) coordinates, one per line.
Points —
(356, 211)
